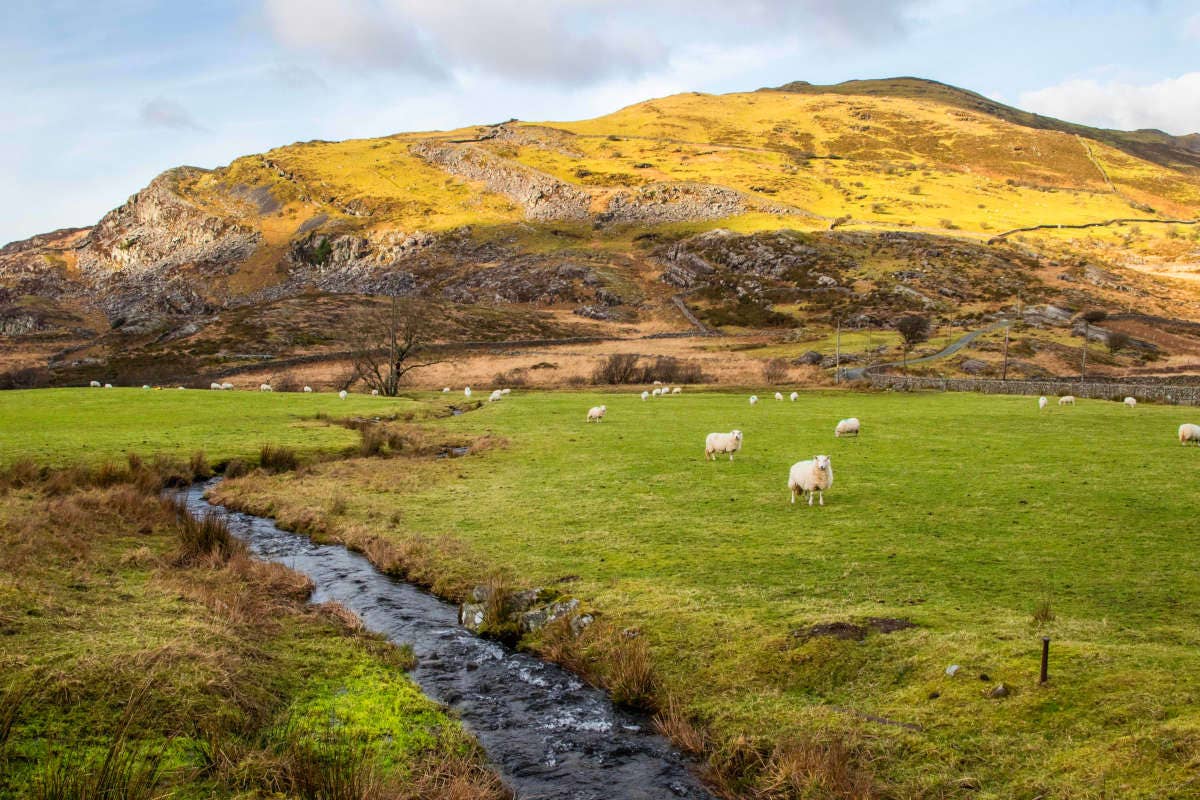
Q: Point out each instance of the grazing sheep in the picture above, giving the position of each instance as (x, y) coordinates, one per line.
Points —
(1189, 433)
(794, 396)
(342, 394)
(446, 390)
(847, 427)
(676, 390)
(226, 386)
(374, 393)
(496, 395)
(505, 391)
(215, 386)
(94, 384)
(1066, 400)
(1042, 403)
(753, 399)
(308, 390)
(779, 395)
(108, 386)
(1131, 401)
(467, 392)
(811, 477)
(596, 413)
(265, 387)
(722, 443)
(145, 386)
(645, 396)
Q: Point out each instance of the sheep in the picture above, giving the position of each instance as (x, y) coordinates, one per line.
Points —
(226, 386)
(847, 427)
(308, 390)
(1189, 433)
(467, 392)
(496, 395)
(656, 392)
(794, 396)
(1042, 403)
(676, 390)
(265, 387)
(779, 395)
(1066, 400)
(753, 399)
(596, 413)
(722, 443)
(1131, 401)
(215, 386)
(342, 394)
(374, 393)
(446, 390)
(505, 391)
(645, 396)
(145, 386)
(811, 477)
(108, 386)
(94, 384)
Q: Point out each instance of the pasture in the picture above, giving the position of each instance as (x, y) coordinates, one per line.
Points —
(980, 521)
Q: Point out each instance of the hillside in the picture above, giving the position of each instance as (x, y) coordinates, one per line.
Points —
(763, 211)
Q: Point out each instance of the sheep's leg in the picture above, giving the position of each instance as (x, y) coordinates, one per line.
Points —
(810, 497)
(792, 492)
(731, 456)
(822, 494)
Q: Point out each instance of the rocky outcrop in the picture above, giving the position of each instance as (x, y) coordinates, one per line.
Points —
(543, 196)
(659, 203)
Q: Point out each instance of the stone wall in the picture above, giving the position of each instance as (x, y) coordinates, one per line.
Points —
(1171, 394)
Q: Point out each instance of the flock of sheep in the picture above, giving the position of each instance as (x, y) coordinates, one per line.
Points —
(1187, 431)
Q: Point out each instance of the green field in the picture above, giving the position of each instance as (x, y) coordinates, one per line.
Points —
(962, 514)
(73, 426)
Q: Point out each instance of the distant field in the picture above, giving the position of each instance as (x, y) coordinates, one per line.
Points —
(69, 426)
(978, 519)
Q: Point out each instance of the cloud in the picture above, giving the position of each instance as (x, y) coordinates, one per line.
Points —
(163, 113)
(568, 42)
(293, 76)
(1191, 28)
(1172, 105)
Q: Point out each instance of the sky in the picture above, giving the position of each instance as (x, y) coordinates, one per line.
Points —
(99, 96)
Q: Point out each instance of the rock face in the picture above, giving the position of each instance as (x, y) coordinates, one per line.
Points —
(543, 196)
(659, 203)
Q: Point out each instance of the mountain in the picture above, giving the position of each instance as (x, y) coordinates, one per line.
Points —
(767, 210)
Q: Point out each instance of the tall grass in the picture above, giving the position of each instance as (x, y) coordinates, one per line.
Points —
(203, 538)
(276, 458)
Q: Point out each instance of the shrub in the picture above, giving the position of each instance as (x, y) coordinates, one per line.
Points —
(285, 383)
(775, 370)
(618, 368)
(236, 468)
(1117, 341)
(276, 458)
(373, 439)
(199, 466)
(200, 538)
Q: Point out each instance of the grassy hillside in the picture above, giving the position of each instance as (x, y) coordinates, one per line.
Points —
(981, 522)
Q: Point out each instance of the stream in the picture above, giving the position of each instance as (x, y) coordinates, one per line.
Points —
(549, 735)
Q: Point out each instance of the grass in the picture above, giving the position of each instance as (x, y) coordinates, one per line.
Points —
(969, 516)
(132, 672)
(58, 427)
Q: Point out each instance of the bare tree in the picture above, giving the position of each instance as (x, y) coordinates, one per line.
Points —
(913, 330)
(391, 342)
(1118, 341)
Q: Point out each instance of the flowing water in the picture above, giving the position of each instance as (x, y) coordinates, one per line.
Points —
(549, 735)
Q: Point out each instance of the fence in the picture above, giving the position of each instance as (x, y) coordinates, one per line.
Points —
(1171, 394)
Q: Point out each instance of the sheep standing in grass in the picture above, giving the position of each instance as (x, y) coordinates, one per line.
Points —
(645, 396)
(265, 387)
(374, 393)
(308, 390)
(1189, 433)
(794, 396)
(811, 477)
(847, 427)
(676, 390)
(94, 384)
(596, 413)
(467, 392)
(779, 395)
(1066, 400)
(1042, 403)
(1131, 401)
(666, 390)
(656, 392)
(215, 386)
(753, 399)
(505, 391)
(342, 394)
(446, 390)
(722, 443)
(145, 386)
(495, 395)
(108, 386)
(226, 386)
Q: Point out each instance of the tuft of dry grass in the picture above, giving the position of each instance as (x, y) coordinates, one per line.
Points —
(822, 771)
(204, 539)
(275, 458)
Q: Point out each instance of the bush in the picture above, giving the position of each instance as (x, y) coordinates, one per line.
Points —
(200, 538)
(775, 370)
(236, 468)
(617, 369)
(26, 378)
(625, 368)
(285, 383)
(275, 458)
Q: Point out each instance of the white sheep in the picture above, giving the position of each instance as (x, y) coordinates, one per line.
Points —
(215, 386)
(596, 413)
(226, 386)
(145, 386)
(1189, 433)
(809, 477)
(1042, 403)
(779, 395)
(1131, 401)
(1066, 400)
(342, 394)
(467, 392)
(308, 390)
(753, 399)
(94, 384)
(374, 393)
(794, 396)
(505, 391)
(108, 386)
(496, 395)
(676, 390)
(645, 396)
(446, 390)
(847, 427)
(265, 387)
(722, 443)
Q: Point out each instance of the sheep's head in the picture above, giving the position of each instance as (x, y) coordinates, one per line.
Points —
(737, 435)
(821, 463)
(604, 408)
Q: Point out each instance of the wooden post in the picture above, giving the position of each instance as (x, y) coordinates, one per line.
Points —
(1004, 373)
(837, 354)
(1045, 659)
(1083, 363)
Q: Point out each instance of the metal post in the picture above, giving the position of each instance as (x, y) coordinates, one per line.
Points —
(1045, 659)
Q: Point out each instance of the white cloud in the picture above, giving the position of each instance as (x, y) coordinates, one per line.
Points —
(1172, 105)
(1191, 28)
(163, 113)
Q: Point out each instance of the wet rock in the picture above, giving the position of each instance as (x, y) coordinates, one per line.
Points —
(973, 366)
(998, 691)
(593, 312)
(952, 670)
(538, 618)
(812, 357)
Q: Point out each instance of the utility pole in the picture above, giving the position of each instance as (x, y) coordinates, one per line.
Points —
(1004, 372)
(1083, 363)
(837, 353)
